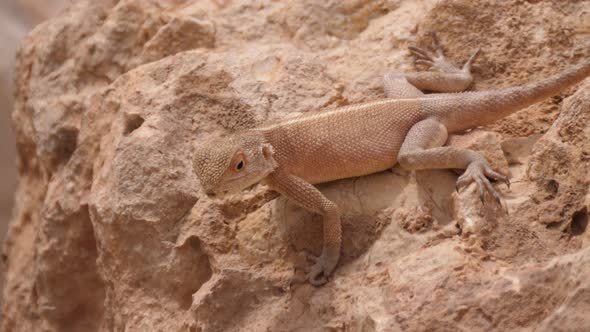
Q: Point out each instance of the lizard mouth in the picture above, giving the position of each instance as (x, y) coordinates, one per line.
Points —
(219, 194)
(236, 185)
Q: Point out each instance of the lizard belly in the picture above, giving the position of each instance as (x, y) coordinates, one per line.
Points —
(346, 169)
(351, 159)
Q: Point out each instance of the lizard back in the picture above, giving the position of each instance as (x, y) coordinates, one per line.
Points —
(343, 142)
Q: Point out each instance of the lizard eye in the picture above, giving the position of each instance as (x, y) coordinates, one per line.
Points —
(240, 165)
(238, 162)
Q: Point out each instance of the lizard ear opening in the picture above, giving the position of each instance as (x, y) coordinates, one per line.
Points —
(268, 152)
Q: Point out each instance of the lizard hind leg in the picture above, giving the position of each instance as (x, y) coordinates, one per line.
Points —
(423, 149)
(397, 86)
(442, 75)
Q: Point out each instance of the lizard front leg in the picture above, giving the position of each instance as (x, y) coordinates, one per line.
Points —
(310, 198)
(422, 149)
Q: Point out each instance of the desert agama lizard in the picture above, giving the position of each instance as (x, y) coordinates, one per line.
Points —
(409, 128)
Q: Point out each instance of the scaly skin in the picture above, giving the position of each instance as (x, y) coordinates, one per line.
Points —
(409, 127)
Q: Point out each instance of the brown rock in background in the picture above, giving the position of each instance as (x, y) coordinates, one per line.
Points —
(112, 232)
(17, 17)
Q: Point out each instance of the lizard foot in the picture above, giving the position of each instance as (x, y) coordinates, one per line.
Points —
(479, 172)
(323, 267)
(437, 60)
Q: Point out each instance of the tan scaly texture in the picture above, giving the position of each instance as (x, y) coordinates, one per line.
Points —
(409, 127)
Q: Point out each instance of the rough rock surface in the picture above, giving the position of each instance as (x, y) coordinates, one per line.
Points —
(17, 17)
(112, 232)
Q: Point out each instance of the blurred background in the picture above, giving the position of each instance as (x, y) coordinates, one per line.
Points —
(17, 17)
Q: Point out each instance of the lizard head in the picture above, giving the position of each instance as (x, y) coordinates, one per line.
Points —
(230, 164)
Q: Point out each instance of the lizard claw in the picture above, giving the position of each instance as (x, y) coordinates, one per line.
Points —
(323, 266)
(469, 62)
(422, 54)
(313, 258)
(479, 172)
(436, 45)
(316, 275)
(435, 60)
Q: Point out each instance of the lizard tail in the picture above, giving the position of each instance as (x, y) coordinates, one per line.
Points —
(514, 99)
(484, 107)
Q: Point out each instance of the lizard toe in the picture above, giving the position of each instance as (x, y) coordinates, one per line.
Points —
(426, 63)
(421, 54)
(436, 60)
(490, 173)
(479, 172)
(469, 62)
(463, 181)
(481, 186)
(315, 259)
(316, 275)
(323, 266)
(436, 45)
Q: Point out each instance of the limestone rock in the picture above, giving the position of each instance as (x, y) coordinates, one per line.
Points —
(113, 232)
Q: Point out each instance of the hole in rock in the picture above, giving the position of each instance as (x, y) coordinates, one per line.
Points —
(67, 140)
(579, 222)
(196, 270)
(132, 122)
(552, 187)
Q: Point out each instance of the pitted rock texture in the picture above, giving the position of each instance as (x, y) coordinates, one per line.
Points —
(112, 231)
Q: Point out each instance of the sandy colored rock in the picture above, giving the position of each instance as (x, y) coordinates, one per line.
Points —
(113, 232)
